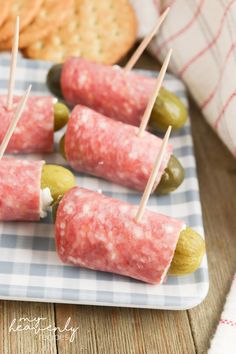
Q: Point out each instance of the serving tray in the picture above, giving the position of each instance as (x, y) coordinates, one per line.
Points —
(30, 269)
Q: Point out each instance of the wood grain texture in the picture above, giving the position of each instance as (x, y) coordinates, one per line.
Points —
(217, 179)
(26, 342)
(120, 330)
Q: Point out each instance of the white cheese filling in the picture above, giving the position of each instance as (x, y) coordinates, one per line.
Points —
(45, 201)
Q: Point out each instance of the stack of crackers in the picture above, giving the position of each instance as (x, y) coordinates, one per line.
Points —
(99, 30)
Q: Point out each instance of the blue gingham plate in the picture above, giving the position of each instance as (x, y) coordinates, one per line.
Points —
(29, 266)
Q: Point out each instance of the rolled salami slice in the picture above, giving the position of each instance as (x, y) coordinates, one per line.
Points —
(108, 90)
(105, 148)
(35, 130)
(20, 183)
(98, 232)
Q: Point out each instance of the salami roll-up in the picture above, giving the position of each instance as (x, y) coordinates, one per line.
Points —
(108, 90)
(20, 190)
(98, 232)
(35, 130)
(117, 94)
(105, 148)
(27, 188)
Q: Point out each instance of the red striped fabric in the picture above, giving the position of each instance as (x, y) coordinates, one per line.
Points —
(202, 34)
(224, 108)
(182, 30)
(187, 65)
(214, 91)
(228, 322)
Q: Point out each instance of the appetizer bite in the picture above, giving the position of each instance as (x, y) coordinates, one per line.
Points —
(35, 131)
(41, 116)
(116, 93)
(112, 150)
(27, 188)
(97, 232)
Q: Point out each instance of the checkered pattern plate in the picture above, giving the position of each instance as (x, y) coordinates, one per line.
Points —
(29, 266)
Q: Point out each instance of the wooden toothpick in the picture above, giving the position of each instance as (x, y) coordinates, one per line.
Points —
(148, 110)
(17, 115)
(153, 176)
(139, 51)
(13, 65)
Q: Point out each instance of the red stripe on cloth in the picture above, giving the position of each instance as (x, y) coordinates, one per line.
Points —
(182, 30)
(212, 94)
(228, 322)
(225, 106)
(204, 50)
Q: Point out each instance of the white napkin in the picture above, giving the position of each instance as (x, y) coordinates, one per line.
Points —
(147, 14)
(203, 36)
(224, 341)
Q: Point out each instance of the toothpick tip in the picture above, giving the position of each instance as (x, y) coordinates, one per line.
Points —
(166, 11)
(168, 131)
(168, 56)
(17, 25)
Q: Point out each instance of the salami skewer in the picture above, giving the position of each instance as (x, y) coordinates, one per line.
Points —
(98, 232)
(12, 127)
(27, 188)
(101, 233)
(41, 117)
(97, 145)
(35, 131)
(20, 191)
(116, 93)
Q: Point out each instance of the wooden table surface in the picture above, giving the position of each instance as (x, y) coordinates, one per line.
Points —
(121, 330)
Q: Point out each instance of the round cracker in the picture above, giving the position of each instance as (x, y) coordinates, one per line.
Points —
(50, 16)
(102, 31)
(5, 7)
(25, 9)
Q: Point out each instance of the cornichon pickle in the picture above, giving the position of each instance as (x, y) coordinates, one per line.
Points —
(55, 207)
(58, 179)
(172, 177)
(188, 253)
(54, 80)
(62, 147)
(168, 110)
(61, 115)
